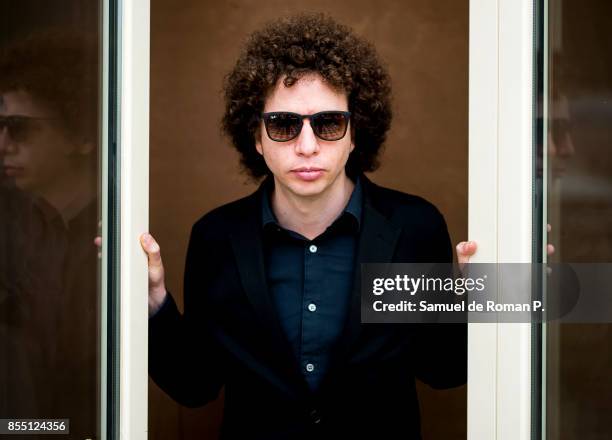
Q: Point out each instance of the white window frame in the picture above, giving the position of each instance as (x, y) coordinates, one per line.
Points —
(133, 184)
(134, 148)
(500, 206)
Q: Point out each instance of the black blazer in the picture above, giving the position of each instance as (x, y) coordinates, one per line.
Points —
(230, 335)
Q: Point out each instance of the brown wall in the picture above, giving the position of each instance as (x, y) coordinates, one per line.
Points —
(193, 169)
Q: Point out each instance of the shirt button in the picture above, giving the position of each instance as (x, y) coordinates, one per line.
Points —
(312, 248)
(312, 307)
(309, 367)
(315, 417)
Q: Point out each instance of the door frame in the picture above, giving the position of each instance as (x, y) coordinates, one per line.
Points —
(501, 181)
(501, 119)
(132, 19)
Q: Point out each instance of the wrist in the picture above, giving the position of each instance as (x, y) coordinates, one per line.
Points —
(157, 298)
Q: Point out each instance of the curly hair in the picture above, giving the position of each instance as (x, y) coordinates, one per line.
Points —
(295, 46)
(58, 68)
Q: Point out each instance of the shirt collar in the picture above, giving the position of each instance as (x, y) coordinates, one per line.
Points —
(353, 207)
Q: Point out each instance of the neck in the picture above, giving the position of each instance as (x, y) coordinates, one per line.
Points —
(70, 195)
(311, 215)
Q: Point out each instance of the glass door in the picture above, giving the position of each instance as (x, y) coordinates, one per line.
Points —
(73, 201)
(574, 167)
(53, 350)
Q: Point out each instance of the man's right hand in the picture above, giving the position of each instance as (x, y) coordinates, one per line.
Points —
(157, 286)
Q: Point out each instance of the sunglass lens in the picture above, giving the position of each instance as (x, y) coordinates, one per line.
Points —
(17, 127)
(283, 126)
(330, 126)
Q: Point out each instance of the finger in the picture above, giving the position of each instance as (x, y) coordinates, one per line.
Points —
(152, 249)
(550, 249)
(98, 244)
(548, 227)
(465, 250)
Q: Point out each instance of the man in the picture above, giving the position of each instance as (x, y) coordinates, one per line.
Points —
(272, 301)
(48, 205)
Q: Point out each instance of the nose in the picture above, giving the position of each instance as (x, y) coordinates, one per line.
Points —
(566, 147)
(3, 140)
(561, 145)
(6, 143)
(306, 143)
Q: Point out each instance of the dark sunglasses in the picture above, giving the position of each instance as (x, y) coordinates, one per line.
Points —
(20, 127)
(285, 126)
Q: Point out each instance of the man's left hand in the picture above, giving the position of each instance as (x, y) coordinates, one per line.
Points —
(465, 250)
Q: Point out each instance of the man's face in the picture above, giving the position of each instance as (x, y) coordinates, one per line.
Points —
(307, 96)
(34, 151)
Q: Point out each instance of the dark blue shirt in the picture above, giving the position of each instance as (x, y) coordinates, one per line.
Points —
(310, 282)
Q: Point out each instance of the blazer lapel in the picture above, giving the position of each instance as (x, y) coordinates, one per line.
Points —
(247, 245)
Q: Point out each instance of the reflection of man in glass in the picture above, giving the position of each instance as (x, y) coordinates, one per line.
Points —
(48, 153)
(272, 306)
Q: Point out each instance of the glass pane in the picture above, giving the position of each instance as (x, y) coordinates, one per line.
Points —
(49, 212)
(194, 169)
(577, 386)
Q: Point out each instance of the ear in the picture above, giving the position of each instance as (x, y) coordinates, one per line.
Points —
(258, 142)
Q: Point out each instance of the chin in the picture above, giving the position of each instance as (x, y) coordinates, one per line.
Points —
(25, 184)
(307, 188)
